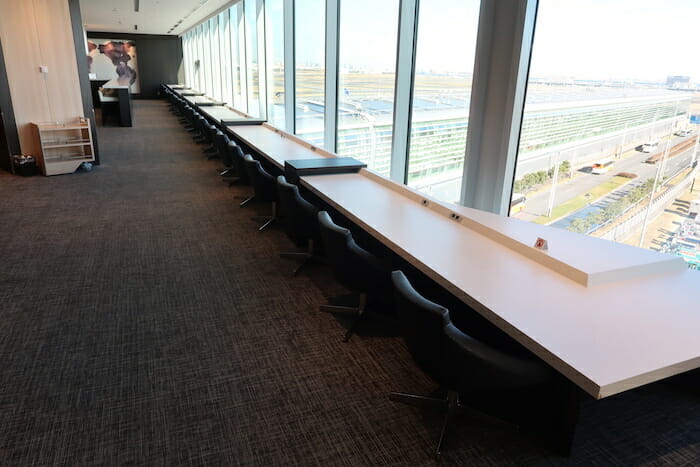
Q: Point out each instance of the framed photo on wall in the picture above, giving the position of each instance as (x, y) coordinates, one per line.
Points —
(114, 60)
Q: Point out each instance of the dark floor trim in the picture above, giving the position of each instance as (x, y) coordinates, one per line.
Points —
(7, 119)
(83, 71)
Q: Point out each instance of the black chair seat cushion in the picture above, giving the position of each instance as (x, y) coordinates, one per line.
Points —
(473, 365)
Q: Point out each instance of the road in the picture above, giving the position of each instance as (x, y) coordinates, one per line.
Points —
(583, 182)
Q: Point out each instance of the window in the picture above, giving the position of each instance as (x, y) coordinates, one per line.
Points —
(367, 69)
(206, 65)
(215, 58)
(309, 42)
(274, 42)
(252, 57)
(446, 47)
(187, 57)
(225, 56)
(198, 62)
(606, 145)
(237, 40)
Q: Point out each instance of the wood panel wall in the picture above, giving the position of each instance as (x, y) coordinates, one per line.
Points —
(36, 33)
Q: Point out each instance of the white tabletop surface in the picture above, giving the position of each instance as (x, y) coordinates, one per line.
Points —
(220, 112)
(275, 146)
(187, 92)
(202, 100)
(607, 338)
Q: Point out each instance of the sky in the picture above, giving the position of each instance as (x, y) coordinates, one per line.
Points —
(617, 39)
(645, 40)
(583, 39)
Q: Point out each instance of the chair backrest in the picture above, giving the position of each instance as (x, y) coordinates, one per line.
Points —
(201, 125)
(221, 142)
(353, 266)
(300, 216)
(211, 131)
(237, 156)
(422, 323)
(263, 183)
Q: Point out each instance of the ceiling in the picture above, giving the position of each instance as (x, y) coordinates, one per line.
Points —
(153, 17)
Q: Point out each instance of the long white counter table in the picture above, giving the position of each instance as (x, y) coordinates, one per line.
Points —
(606, 338)
(275, 145)
(609, 317)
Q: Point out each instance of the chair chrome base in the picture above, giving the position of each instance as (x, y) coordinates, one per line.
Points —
(450, 404)
(304, 257)
(268, 220)
(359, 310)
(246, 200)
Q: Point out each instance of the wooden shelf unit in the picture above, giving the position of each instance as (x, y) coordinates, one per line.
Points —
(64, 147)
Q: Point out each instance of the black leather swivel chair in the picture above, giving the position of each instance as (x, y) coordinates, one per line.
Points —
(191, 116)
(354, 267)
(221, 142)
(264, 189)
(237, 173)
(212, 151)
(300, 219)
(457, 362)
(200, 125)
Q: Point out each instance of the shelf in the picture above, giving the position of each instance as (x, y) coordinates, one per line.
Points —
(67, 144)
(69, 157)
(62, 127)
(64, 146)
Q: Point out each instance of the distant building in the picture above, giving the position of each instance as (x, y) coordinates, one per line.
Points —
(678, 82)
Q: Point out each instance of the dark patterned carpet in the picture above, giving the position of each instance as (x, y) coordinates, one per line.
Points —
(144, 320)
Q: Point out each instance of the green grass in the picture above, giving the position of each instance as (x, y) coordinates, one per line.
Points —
(579, 202)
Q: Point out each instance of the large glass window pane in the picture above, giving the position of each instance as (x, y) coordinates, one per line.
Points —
(187, 58)
(252, 57)
(237, 40)
(608, 144)
(445, 53)
(206, 66)
(274, 33)
(225, 57)
(367, 65)
(198, 59)
(189, 63)
(215, 58)
(309, 41)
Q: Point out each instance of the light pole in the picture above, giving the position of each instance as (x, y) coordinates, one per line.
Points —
(651, 194)
(622, 144)
(555, 179)
(695, 149)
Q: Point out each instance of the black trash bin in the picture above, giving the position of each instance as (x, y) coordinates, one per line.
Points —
(24, 165)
